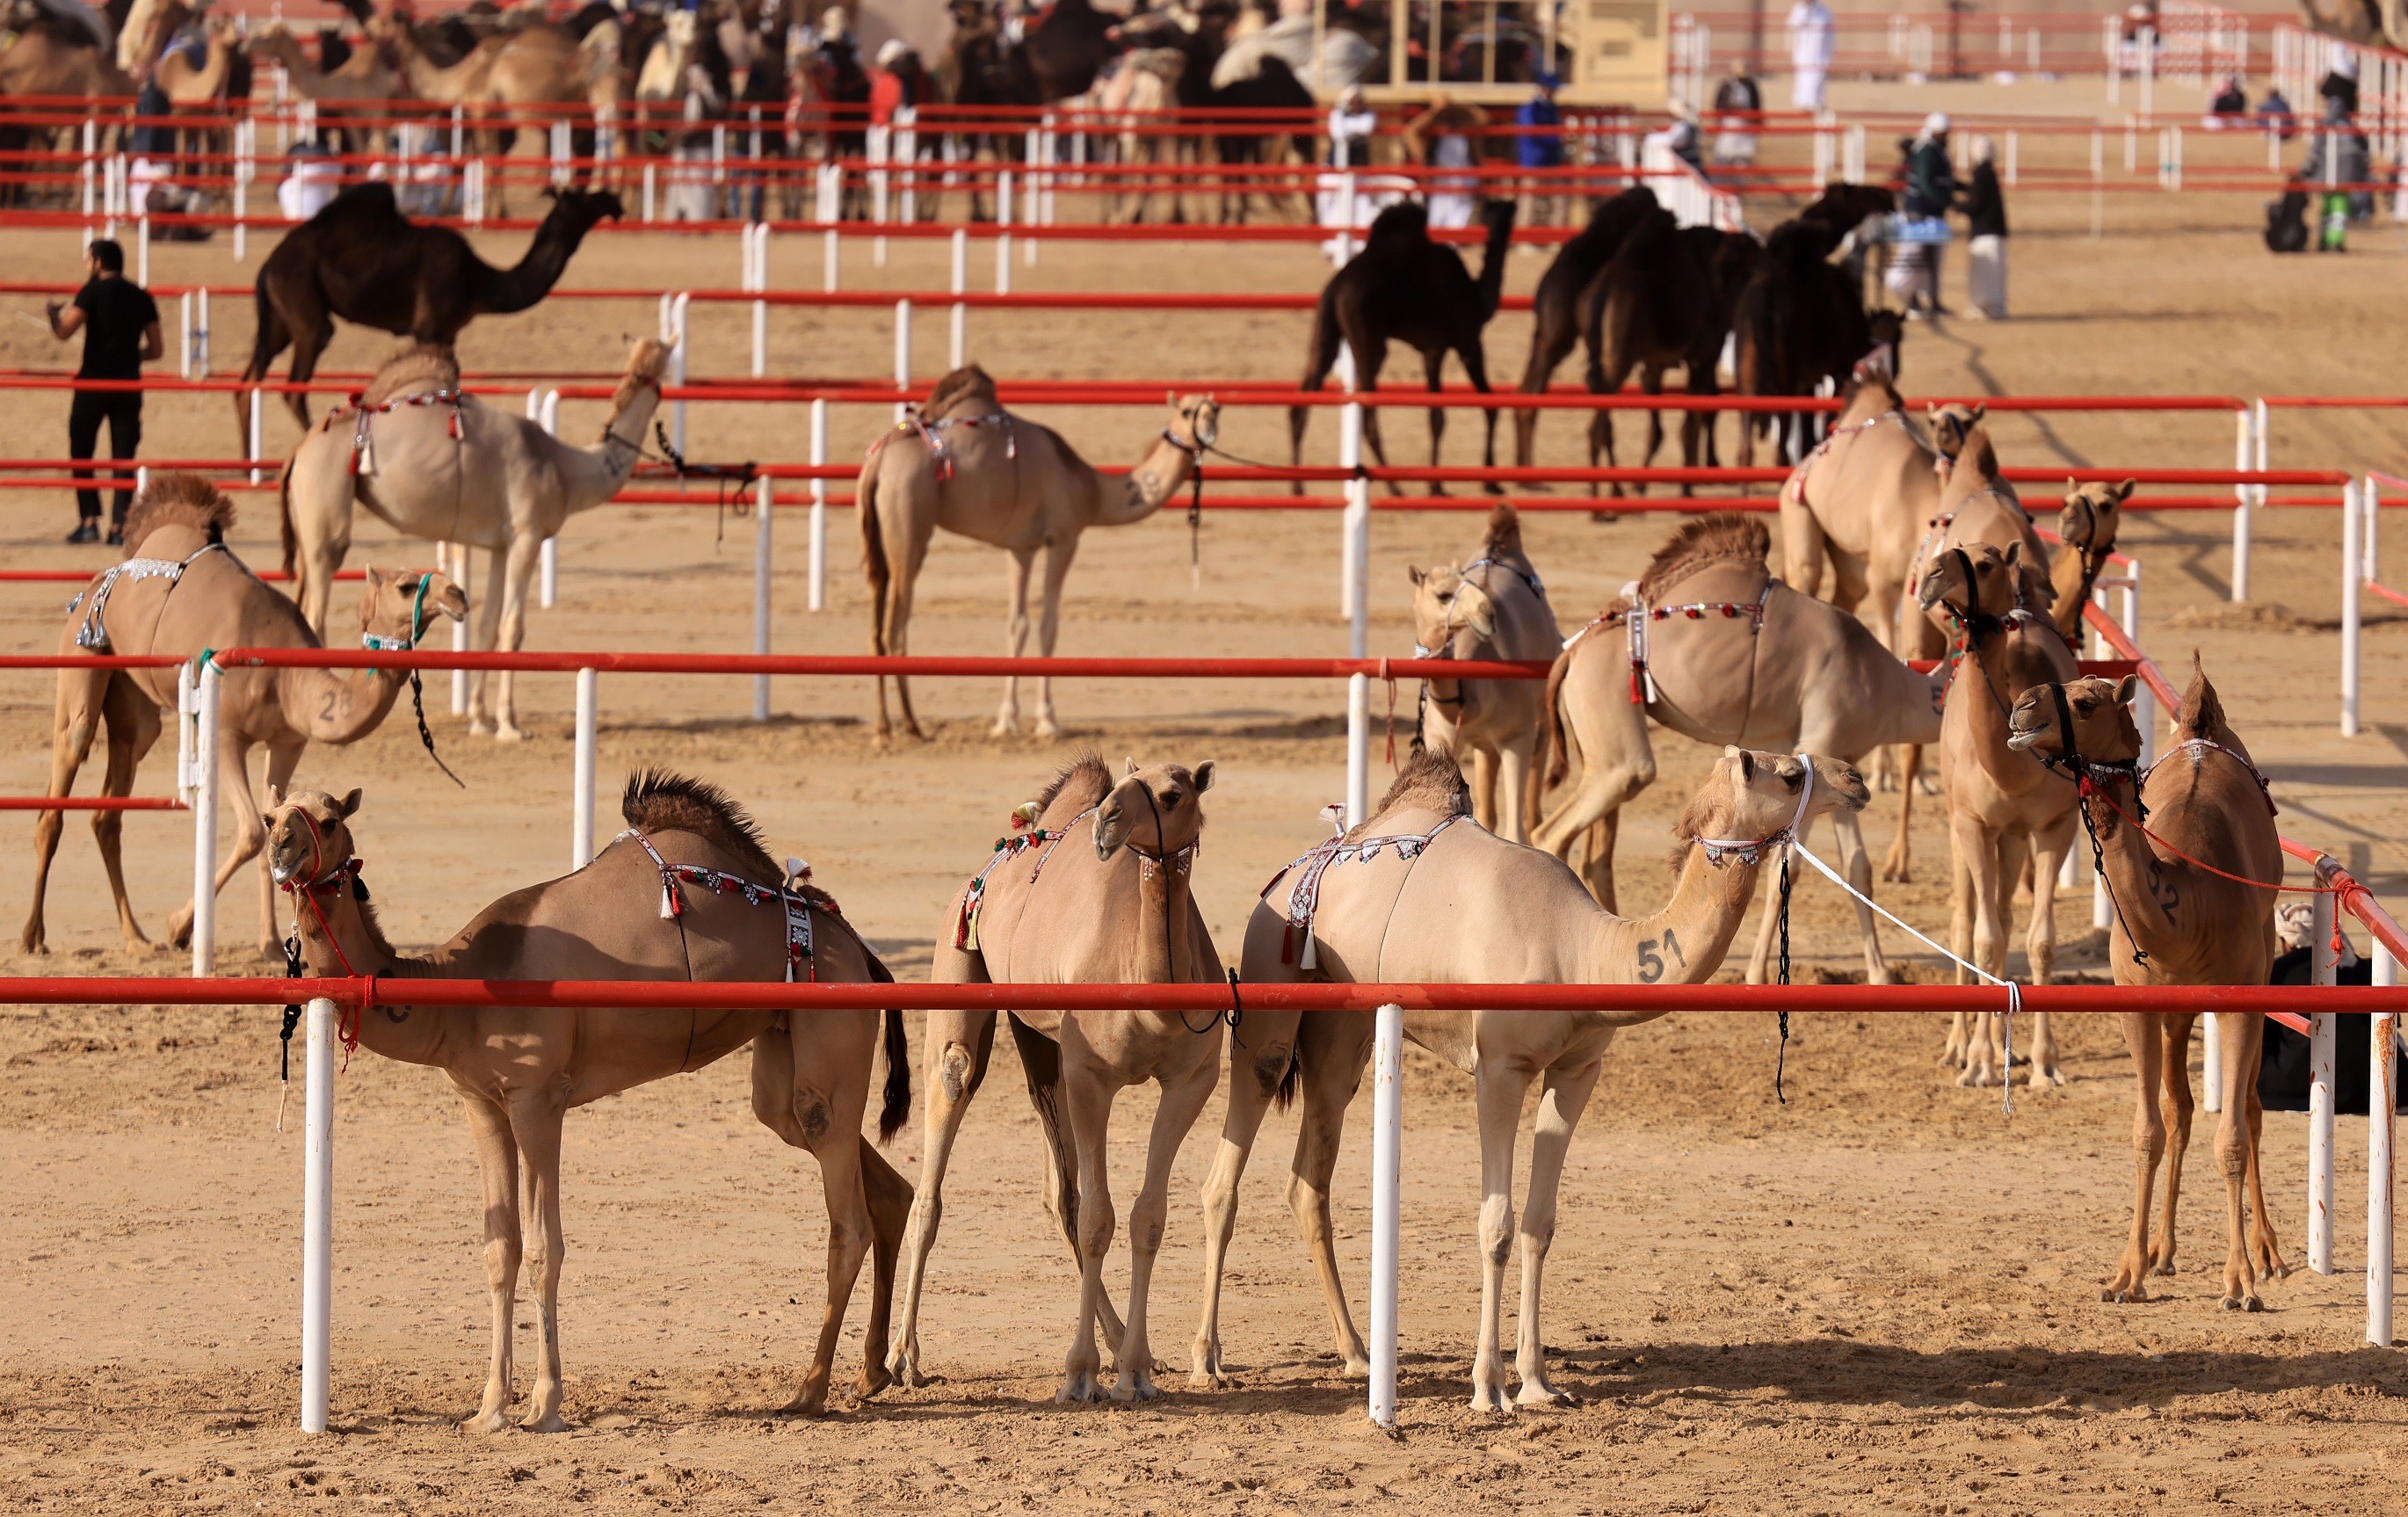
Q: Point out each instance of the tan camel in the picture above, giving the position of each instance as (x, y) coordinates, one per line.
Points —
(179, 592)
(520, 1069)
(965, 464)
(1858, 505)
(1418, 896)
(1730, 655)
(523, 75)
(1490, 607)
(2003, 805)
(1064, 903)
(434, 463)
(2085, 533)
(364, 77)
(2210, 818)
(53, 57)
(1142, 94)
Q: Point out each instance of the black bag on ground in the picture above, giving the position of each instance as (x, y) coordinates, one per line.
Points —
(2287, 222)
(2283, 1076)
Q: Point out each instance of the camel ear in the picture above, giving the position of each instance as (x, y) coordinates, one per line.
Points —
(2122, 491)
(2072, 487)
(1170, 399)
(1980, 411)
(2127, 688)
(1746, 760)
(2014, 554)
(1203, 774)
(1415, 574)
(349, 805)
(1132, 764)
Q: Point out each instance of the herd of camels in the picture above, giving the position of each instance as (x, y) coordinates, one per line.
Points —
(1900, 539)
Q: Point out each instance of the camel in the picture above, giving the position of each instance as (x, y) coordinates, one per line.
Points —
(1406, 288)
(1490, 607)
(2187, 911)
(363, 78)
(1729, 654)
(1800, 319)
(1142, 94)
(1557, 322)
(361, 260)
(50, 55)
(1124, 883)
(1857, 506)
(523, 75)
(689, 894)
(1415, 895)
(1665, 300)
(967, 464)
(2002, 804)
(2086, 535)
(433, 462)
(181, 591)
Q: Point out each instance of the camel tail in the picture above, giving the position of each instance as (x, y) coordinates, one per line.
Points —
(284, 511)
(897, 1109)
(1290, 1077)
(1554, 751)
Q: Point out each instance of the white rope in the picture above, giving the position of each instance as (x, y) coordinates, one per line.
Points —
(2015, 991)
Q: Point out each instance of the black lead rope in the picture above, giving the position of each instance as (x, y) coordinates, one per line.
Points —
(292, 1011)
(1781, 1060)
(741, 473)
(1195, 522)
(418, 705)
(2076, 769)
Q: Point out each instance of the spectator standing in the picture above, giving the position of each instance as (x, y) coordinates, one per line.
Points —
(120, 324)
(1811, 41)
(1738, 106)
(1540, 146)
(1440, 138)
(2339, 82)
(2232, 104)
(1351, 123)
(2275, 117)
(1985, 237)
(2339, 157)
(1923, 226)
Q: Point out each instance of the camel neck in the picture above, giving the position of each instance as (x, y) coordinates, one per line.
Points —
(332, 919)
(2006, 664)
(1165, 467)
(1686, 943)
(337, 705)
(590, 477)
(1164, 951)
(2072, 575)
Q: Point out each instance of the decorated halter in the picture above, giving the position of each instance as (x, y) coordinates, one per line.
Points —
(1751, 851)
(363, 459)
(1304, 896)
(92, 633)
(797, 906)
(1025, 834)
(1636, 622)
(378, 643)
(2090, 777)
(314, 888)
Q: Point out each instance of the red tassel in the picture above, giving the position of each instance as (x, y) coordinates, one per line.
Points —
(1288, 944)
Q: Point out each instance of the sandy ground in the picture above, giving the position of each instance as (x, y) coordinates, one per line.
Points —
(1880, 1296)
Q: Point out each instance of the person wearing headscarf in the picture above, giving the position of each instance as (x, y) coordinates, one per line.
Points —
(1739, 106)
(1922, 229)
(1351, 123)
(1985, 237)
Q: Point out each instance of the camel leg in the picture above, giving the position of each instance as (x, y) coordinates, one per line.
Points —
(1896, 866)
(2175, 1111)
(2264, 1248)
(1597, 863)
(811, 1090)
(1058, 556)
(1563, 1096)
(1434, 365)
(483, 636)
(1513, 765)
(889, 1199)
(1174, 1117)
(1977, 853)
(514, 570)
(308, 342)
(1500, 1088)
(1332, 1048)
(2235, 1146)
(1018, 562)
(283, 759)
(905, 567)
(2039, 946)
(1482, 779)
(535, 1124)
(133, 725)
(1549, 346)
(498, 1167)
(1088, 1087)
(1856, 863)
(250, 831)
(1261, 1050)
(319, 504)
(83, 693)
(2140, 1036)
(959, 1044)
(1040, 1066)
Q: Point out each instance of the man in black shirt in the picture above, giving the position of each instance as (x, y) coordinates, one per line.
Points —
(120, 323)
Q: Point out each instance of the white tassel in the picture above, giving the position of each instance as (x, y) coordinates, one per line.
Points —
(798, 871)
(669, 904)
(1308, 959)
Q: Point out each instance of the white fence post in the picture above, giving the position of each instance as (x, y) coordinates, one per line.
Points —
(2352, 502)
(462, 570)
(252, 437)
(2382, 1102)
(204, 820)
(1387, 1179)
(1358, 749)
(546, 412)
(2320, 1094)
(960, 334)
(819, 507)
(183, 333)
(2214, 1083)
(902, 352)
(1003, 232)
(318, 1213)
(2243, 451)
(1349, 457)
(201, 333)
(761, 566)
(679, 315)
(580, 801)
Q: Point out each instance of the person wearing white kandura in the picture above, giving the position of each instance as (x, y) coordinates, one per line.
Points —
(1811, 42)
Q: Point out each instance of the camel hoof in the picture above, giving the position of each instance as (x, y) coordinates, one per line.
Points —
(903, 1368)
(2243, 1303)
(2046, 1078)
(1136, 1388)
(1490, 1398)
(32, 945)
(487, 1423)
(1078, 1387)
(2123, 1297)
(1048, 727)
(1975, 1078)
(1005, 726)
(480, 728)
(550, 1423)
(509, 732)
(2164, 1269)
(1540, 1393)
(805, 1404)
(1209, 1380)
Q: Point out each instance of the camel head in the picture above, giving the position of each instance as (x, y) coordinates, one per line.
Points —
(1979, 586)
(1451, 614)
(396, 608)
(1195, 421)
(309, 835)
(2100, 709)
(1951, 424)
(2091, 514)
(1156, 811)
(1751, 799)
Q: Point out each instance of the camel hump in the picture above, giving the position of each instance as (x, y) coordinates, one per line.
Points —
(967, 384)
(1408, 220)
(2202, 709)
(414, 369)
(178, 500)
(1725, 537)
(1432, 781)
(1503, 538)
(1085, 781)
(657, 800)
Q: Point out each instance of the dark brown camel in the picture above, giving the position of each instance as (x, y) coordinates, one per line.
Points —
(1555, 307)
(1664, 300)
(1800, 319)
(1403, 287)
(1067, 48)
(361, 260)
